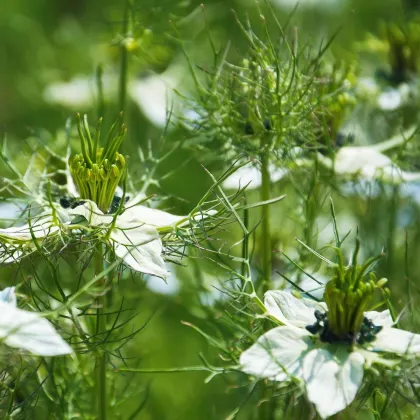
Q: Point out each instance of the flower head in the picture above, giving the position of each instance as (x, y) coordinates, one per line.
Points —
(331, 372)
(98, 171)
(28, 330)
(327, 345)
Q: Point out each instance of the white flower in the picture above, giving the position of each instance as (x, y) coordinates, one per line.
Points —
(79, 92)
(331, 373)
(369, 163)
(75, 94)
(325, 4)
(388, 99)
(367, 87)
(251, 174)
(27, 330)
(134, 235)
(155, 95)
(364, 163)
(392, 98)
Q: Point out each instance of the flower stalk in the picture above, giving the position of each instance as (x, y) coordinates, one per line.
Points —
(265, 222)
(100, 363)
(127, 44)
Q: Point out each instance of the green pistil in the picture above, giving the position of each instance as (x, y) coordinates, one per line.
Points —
(98, 171)
(348, 295)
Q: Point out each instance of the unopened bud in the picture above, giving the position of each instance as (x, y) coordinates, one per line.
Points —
(382, 282)
(296, 294)
(115, 171)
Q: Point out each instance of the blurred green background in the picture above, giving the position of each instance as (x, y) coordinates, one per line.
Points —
(45, 43)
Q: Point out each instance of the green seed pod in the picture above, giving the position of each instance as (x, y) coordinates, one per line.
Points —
(381, 283)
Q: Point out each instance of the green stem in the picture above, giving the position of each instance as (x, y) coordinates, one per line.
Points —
(264, 409)
(100, 363)
(101, 101)
(265, 222)
(124, 58)
(11, 404)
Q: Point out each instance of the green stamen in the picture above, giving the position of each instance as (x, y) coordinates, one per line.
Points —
(348, 295)
(98, 171)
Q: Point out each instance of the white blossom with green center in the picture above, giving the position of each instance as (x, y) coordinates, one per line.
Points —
(330, 372)
(327, 345)
(28, 330)
(133, 231)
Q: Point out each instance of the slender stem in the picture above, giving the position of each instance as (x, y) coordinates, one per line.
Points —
(11, 404)
(245, 246)
(124, 57)
(101, 101)
(265, 222)
(264, 410)
(100, 364)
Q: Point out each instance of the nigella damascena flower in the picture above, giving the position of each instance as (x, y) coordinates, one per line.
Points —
(326, 346)
(131, 230)
(362, 163)
(28, 330)
(331, 372)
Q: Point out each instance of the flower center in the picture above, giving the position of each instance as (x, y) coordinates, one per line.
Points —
(348, 295)
(366, 334)
(98, 171)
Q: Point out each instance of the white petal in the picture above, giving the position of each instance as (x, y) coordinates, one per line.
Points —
(90, 211)
(169, 287)
(138, 198)
(161, 220)
(154, 95)
(8, 296)
(332, 382)
(153, 217)
(394, 340)
(328, 5)
(250, 174)
(291, 310)
(367, 86)
(364, 160)
(390, 100)
(383, 319)
(243, 176)
(140, 247)
(9, 210)
(27, 330)
(277, 354)
(40, 227)
(75, 94)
